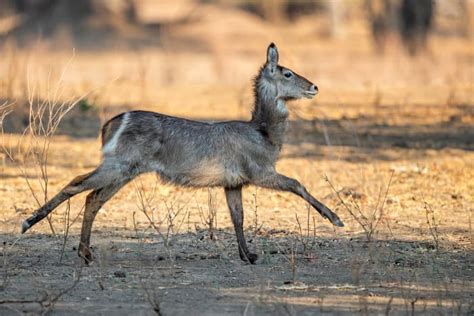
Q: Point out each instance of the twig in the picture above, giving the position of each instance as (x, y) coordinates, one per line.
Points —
(155, 304)
(52, 300)
(66, 228)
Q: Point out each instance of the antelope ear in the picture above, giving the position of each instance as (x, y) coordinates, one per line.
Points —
(272, 57)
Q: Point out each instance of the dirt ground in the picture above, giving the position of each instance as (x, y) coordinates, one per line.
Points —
(388, 145)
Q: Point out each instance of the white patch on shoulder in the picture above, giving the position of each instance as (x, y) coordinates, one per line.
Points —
(281, 106)
(112, 144)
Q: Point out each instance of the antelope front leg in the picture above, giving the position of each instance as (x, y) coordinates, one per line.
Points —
(283, 183)
(234, 201)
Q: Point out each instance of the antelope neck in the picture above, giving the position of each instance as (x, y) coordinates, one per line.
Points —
(270, 113)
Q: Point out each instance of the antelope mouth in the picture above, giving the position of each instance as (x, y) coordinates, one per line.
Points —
(310, 94)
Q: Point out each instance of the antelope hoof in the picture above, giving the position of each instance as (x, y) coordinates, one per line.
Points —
(249, 257)
(86, 254)
(336, 221)
(332, 217)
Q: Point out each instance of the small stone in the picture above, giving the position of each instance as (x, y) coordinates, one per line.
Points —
(456, 196)
(120, 274)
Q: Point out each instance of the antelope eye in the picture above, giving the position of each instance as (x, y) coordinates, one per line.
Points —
(288, 74)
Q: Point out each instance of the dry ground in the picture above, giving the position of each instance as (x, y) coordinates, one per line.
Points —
(389, 137)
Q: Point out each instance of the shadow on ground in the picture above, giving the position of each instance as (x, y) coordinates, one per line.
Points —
(135, 272)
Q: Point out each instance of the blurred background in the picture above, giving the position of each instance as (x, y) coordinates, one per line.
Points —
(389, 139)
(196, 58)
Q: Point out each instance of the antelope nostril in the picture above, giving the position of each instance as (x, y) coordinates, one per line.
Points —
(313, 88)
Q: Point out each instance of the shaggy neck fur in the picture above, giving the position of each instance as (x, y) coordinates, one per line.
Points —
(269, 113)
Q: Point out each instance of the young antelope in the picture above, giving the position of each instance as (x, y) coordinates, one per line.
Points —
(197, 154)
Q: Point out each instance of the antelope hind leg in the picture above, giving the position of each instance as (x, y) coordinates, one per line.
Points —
(77, 185)
(94, 202)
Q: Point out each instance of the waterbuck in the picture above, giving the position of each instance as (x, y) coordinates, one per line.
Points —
(197, 154)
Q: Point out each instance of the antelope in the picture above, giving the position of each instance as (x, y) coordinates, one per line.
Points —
(230, 154)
